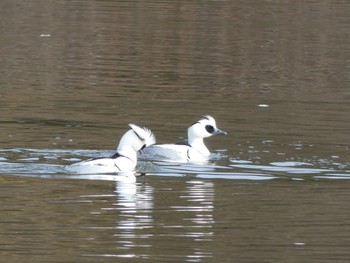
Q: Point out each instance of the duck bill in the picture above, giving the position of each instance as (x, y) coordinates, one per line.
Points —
(219, 132)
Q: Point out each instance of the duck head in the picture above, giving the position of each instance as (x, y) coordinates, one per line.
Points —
(135, 139)
(203, 128)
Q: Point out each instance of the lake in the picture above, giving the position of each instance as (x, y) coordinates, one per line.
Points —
(274, 75)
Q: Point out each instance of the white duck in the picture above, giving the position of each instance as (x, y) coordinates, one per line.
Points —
(125, 159)
(192, 150)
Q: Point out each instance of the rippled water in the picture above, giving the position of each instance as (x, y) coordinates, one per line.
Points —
(273, 74)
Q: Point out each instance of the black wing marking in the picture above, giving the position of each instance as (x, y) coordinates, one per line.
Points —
(183, 143)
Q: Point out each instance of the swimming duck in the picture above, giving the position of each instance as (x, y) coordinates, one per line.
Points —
(125, 158)
(193, 149)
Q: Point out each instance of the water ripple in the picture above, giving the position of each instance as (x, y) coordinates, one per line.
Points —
(50, 164)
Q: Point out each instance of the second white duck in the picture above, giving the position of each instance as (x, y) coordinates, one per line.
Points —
(192, 150)
(125, 159)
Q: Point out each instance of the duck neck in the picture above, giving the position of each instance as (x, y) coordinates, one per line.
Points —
(198, 144)
(128, 152)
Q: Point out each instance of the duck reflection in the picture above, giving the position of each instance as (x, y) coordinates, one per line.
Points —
(135, 205)
(201, 193)
(199, 220)
(181, 226)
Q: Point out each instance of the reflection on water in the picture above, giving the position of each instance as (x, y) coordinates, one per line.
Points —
(134, 205)
(139, 233)
(159, 219)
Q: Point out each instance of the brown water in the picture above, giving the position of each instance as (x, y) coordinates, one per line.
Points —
(274, 74)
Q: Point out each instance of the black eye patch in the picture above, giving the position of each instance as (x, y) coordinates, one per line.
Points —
(209, 128)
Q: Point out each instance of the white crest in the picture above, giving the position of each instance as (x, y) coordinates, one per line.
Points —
(144, 134)
(208, 119)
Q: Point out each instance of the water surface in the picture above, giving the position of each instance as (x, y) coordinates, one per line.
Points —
(273, 74)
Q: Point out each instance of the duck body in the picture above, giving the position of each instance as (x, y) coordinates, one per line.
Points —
(125, 158)
(173, 152)
(192, 150)
(114, 164)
